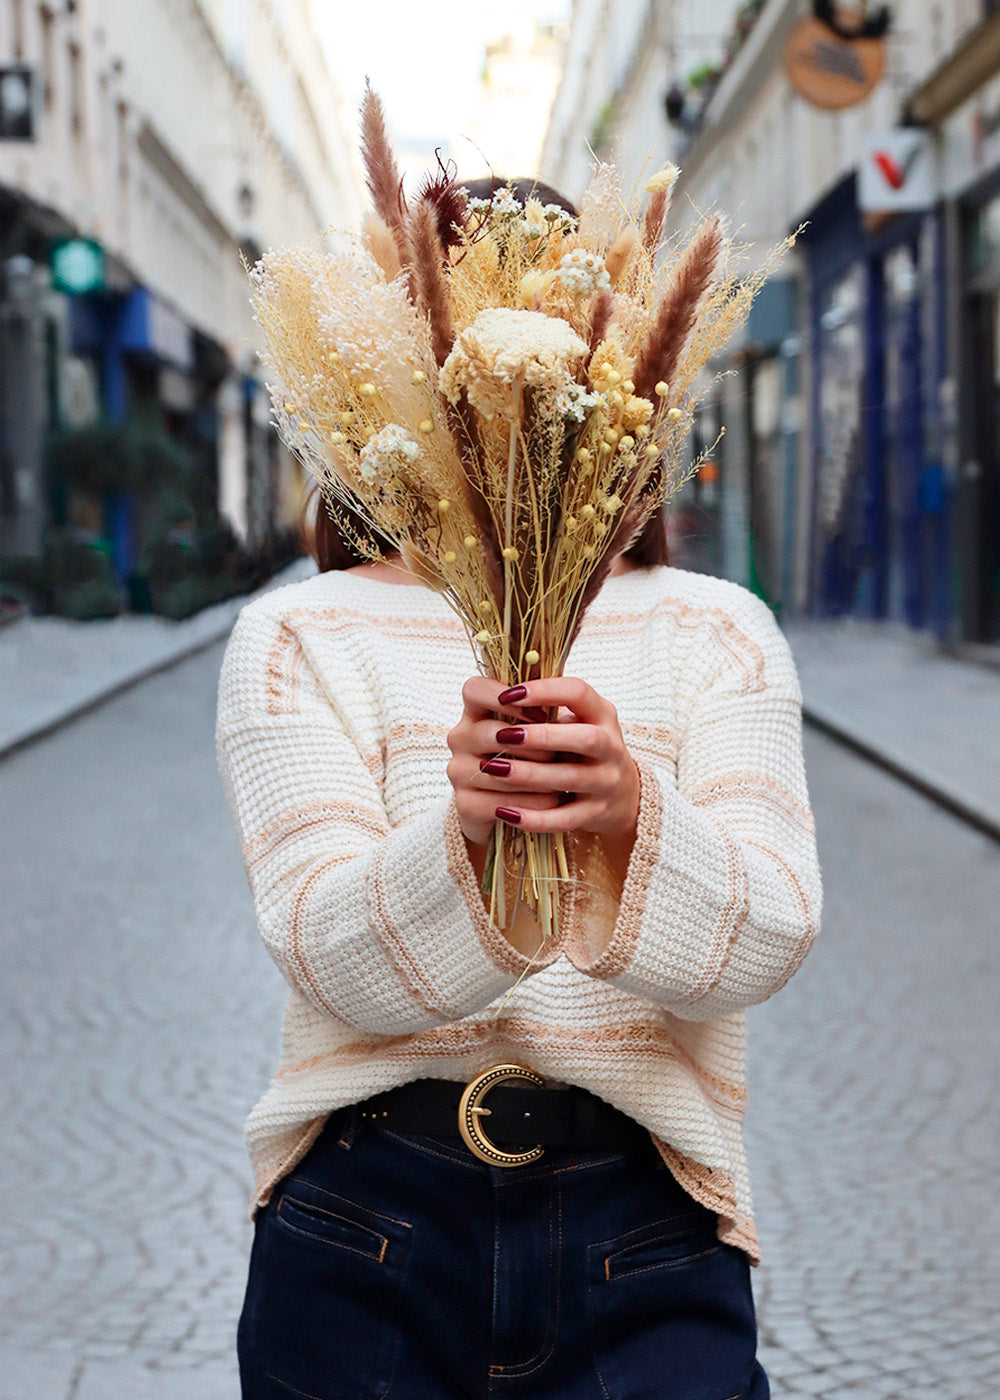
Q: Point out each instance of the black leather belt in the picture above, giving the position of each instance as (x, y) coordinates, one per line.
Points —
(520, 1112)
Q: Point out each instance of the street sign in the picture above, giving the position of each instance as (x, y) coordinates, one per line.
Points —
(17, 103)
(897, 173)
(77, 266)
(831, 72)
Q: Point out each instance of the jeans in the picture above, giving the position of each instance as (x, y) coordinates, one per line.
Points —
(391, 1266)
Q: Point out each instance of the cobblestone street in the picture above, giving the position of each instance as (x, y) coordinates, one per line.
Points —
(140, 1021)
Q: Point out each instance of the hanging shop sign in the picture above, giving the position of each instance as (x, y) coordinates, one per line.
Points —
(78, 266)
(832, 72)
(897, 173)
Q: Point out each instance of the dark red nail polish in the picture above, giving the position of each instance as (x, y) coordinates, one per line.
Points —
(496, 767)
(510, 736)
(513, 695)
(536, 713)
(507, 815)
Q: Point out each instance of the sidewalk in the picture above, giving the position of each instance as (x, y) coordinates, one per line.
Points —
(52, 669)
(893, 696)
(896, 698)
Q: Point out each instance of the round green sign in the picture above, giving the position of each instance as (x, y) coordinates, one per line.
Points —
(78, 265)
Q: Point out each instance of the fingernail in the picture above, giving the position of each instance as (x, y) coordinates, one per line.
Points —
(496, 767)
(510, 736)
(536, 713)
(507, 815)
(513, 695)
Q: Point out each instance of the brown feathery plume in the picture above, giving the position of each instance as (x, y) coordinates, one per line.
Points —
(385, 183)
(618, 256)
(653, 219)
(441, 191)
(661, 187)
(382, 245)
(430, 279)
(678, 311)
(600, 314)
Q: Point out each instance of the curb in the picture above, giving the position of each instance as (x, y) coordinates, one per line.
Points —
(211, 631)
(930, 785)
(81, 707)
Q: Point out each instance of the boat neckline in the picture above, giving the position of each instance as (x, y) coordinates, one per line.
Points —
(415, 590)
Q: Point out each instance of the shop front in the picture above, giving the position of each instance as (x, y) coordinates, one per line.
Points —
(880, 517)
(978, 532)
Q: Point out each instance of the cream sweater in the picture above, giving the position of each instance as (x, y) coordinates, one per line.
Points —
(335, 700)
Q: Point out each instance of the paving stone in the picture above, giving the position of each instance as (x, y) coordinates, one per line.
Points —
(130, 1380)
(35, 1375)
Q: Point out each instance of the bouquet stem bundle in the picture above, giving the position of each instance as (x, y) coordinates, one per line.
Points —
(504, 393)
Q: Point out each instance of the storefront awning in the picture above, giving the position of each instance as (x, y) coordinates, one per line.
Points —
(959, 77)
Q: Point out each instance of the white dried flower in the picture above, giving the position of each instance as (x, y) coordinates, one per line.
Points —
(582, 273)
(384, 455)
(505, 203)
(573, 402)
(504, 347)
(559, 218)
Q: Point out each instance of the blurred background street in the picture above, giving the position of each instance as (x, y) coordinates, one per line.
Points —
(146, 148)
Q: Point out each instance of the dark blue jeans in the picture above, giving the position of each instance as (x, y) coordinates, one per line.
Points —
(392, 1266)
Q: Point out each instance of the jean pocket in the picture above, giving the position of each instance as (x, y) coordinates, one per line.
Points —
(321, 1317)
(671, 1312)
(661, 1245)
(330, 1219)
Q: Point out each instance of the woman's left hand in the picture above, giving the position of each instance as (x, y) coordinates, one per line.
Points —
(582, 753)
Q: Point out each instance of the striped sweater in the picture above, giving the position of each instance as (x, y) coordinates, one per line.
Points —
(335, 700)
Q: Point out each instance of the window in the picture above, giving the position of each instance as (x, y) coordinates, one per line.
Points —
(75, 89)
(47, 21)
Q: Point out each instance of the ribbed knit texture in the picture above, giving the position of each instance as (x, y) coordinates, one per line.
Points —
(335, 700)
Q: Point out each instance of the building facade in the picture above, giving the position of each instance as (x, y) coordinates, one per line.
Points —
(146, 146)
(859, 473)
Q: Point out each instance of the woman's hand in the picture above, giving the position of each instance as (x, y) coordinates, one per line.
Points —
(570, 774)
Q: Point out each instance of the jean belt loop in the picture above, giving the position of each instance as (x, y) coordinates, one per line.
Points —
(350, 1127)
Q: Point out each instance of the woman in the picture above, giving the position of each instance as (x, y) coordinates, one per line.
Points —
(489, 1165)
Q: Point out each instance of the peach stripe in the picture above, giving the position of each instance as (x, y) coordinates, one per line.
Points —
(312, 814)
(392, 942)
(467, 1037)
(756, 785)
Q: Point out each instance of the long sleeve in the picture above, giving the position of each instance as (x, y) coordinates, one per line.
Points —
(722, 896)
(380, 927)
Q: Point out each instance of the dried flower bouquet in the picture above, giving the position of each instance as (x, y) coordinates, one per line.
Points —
(504, 392)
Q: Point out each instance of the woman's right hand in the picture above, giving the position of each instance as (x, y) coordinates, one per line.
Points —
(474, 742)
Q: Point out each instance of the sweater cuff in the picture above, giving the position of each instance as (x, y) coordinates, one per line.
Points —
(615, 953)
(495, 945)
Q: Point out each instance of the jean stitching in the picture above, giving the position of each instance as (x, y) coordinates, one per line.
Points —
(548, 1345)
(365, 1210)
(455, 1159)
(663, 1264)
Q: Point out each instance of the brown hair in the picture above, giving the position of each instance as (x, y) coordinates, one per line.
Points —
(321, 535)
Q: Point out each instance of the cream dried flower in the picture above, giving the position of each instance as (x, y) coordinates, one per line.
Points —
(384, 455)
(504, 348)
(582, 273)
(664, 179)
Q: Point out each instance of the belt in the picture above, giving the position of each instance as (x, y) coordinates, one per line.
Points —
(520, 1111)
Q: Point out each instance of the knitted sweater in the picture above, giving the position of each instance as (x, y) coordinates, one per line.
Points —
(335, 701)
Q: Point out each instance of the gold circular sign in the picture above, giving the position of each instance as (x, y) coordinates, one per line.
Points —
(829, 72)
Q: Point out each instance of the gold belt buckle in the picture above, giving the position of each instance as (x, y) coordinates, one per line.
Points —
(471, 1113)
